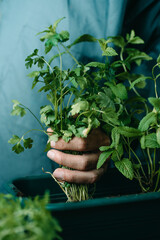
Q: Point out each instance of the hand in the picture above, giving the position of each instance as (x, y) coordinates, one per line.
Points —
(84, 166)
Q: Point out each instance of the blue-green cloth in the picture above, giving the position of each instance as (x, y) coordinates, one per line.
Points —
(20, 21)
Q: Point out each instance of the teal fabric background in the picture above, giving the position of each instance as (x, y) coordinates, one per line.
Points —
(19, 23)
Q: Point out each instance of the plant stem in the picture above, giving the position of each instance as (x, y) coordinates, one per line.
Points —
(67, 50)
(69, 99)
(130, 149)
(61, 91)
(34, 130)
(81, 115)
(155, 87)
(154, 160)
(150, 160)
(47, 64)
(55, 92)
(138, 177)
(33, 116)
(125, 69)
(157, 182)
(121, 57)
(155, 78)
(148, 166)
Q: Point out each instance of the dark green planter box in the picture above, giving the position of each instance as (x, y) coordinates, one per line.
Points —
(116, 212)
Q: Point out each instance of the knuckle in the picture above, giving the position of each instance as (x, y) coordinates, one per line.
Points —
(84, 163)
(59, 145)
(82, 144)
(94, 177)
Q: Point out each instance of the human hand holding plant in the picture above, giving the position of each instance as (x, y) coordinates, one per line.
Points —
(116, 107)
(84, 166)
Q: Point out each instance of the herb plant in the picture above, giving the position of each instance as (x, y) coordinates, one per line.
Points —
(133, 121)
(101, 94)
(60, 115)
(27, 219)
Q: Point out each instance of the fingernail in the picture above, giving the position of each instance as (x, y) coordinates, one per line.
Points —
(59, 175)
(51, 154)
(53, 144)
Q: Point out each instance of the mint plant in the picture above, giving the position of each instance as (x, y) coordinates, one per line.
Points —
(100, 95)
(27, 219)
(132, 120)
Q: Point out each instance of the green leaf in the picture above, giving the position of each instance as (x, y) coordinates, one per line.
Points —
(119, 90)
(129, 131)
(158, 60)
(79, 106)
(82, 81)
(46, 109)
(149, 119)
(136, 56)
(118, 153)
(52, 41)
(150, 141)
(40, 61)
(155, 103)
(109, 52)
(73, 81)
(53, 137)
(29, 60)
(47, 115)
(28, 143)
(33, 74)
(103, 157)
(110, 116)
(48, 147)
(83, 38)
(136, 166)
(17, 110)
(15, 139)
(72, 128)
(136, 40)
(56, 23)
(96, 64)
(17, 148)
(105, 148)
(105, 101)
(15, 102)
(118, 41)
(115, 137)
(67, 135)
(95, 123)
(125, 167)
(130, 36)
(138, 80)
(64, 36)
(34, 82)
(80, 132)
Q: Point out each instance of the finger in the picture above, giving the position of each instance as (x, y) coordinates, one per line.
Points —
(83, 162)
(92, 143)
(80, 177)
